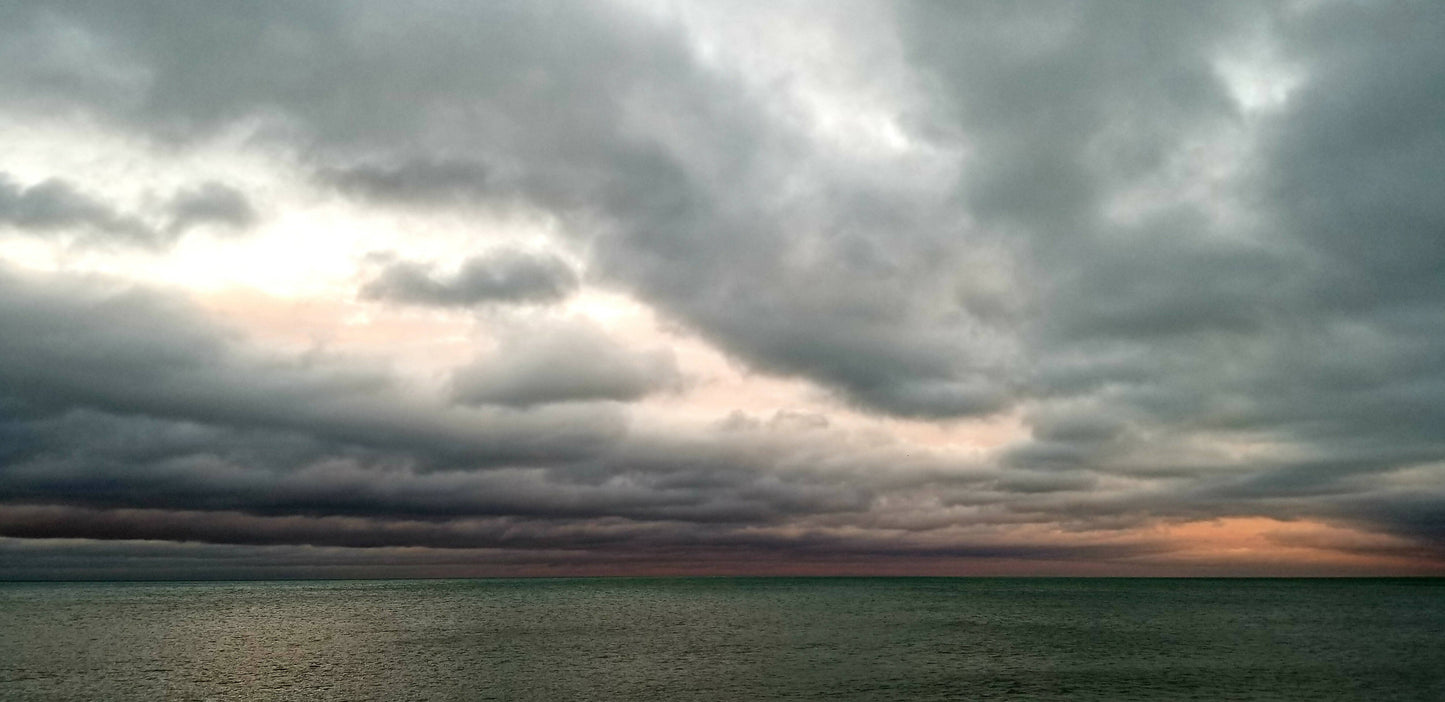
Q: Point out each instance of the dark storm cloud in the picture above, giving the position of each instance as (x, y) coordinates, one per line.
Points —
(516, 536)
(574, 125)
(1352, 162)
(1314, 325)
(157, 407)
(1266, 342)
(90, 343)
(503, 276)
(765, 476)
(565, 364)
(23, 559)
(54, 207)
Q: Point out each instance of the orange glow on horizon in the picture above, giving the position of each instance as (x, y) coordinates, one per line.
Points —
(1300, 545)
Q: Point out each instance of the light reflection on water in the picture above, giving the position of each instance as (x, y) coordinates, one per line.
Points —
(726, 639)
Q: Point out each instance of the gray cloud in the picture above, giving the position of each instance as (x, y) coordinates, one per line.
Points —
(78, 342)
(572, 127)
(211, 203)
(167, 409)
(55, 207)
(503, 276)
(1257, 334)
(564, 364)
(420, 181)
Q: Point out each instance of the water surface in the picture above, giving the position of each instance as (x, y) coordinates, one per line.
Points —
(727, 639)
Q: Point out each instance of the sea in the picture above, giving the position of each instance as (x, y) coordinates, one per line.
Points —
(726, 639)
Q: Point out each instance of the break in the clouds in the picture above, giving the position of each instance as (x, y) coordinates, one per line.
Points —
(635, 286)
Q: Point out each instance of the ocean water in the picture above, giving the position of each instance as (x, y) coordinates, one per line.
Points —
(726, 639)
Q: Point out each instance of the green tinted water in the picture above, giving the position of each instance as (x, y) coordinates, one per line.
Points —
(727, 639)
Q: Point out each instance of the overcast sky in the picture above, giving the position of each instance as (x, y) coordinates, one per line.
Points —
(446, 287)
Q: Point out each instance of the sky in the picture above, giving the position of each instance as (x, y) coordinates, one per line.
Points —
(643, 287)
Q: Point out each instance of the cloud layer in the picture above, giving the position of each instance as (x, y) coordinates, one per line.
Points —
(957, 289)
(505, 276)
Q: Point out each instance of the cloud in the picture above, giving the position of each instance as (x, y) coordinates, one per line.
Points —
(419, 181)
(1198, 290)
(91, 343)
(161, 407)
(505, 276)
(211, 203)
(564, 364)
(618, 129)
(54, 207)
(57, 208)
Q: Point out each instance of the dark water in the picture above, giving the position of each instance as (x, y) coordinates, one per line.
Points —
(727, 639)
